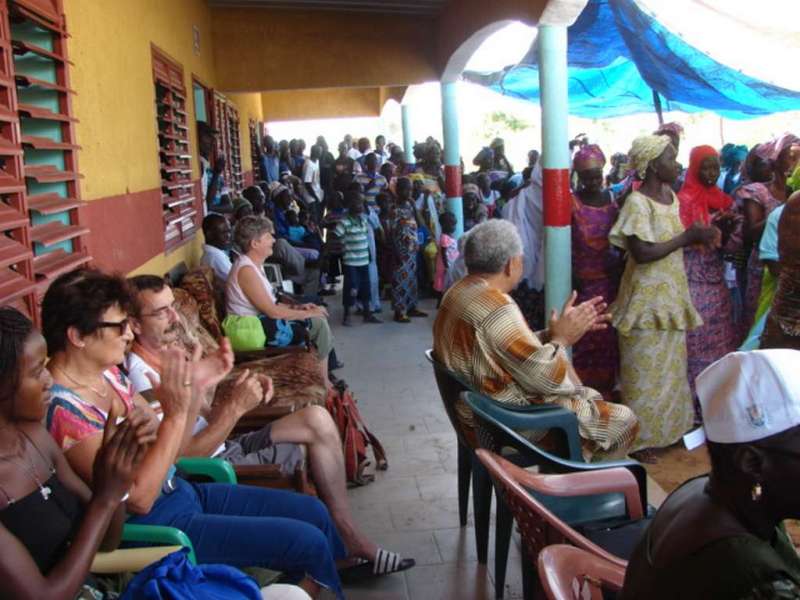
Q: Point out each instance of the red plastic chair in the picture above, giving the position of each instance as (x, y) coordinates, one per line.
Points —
(569, 573)
(538, 526)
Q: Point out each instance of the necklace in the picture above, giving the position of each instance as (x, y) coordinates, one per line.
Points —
(102, 394)
(44, 490)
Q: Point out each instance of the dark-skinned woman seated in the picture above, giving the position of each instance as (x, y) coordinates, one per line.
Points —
(51, 524)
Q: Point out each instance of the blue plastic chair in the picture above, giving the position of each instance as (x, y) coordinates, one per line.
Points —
(497, 427)
(543, 417)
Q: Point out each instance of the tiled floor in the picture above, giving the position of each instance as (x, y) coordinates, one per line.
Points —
(412, 507)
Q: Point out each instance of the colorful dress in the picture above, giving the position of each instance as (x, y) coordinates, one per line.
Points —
(652, 314)
(405, 291)
(783, 324)
(705, 270)
(761, 195)
(448, 249)
(597, 266)
(705, 273)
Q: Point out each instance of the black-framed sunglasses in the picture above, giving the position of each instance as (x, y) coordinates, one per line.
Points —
(121, 326)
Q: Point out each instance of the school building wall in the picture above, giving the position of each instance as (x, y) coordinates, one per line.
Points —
(115, 104)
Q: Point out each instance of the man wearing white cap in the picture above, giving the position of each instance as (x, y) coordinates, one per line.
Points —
(720, 535)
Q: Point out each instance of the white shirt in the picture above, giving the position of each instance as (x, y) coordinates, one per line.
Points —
(137, 373)
(526, 212)
(311, 175)
(236, 302)
(218, 260)
(354, 153)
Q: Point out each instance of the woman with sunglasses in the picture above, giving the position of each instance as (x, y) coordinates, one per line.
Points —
(721, 535)
(51, 524)
(85, 323)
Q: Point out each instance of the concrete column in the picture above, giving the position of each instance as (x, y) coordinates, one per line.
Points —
(552, 40)
(452, 154)
(408, 139)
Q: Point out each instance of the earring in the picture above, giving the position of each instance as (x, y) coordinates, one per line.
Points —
(756, 491)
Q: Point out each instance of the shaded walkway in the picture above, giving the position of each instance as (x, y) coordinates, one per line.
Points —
(412, 508)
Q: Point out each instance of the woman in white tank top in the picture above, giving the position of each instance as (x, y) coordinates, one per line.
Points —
(249, 293)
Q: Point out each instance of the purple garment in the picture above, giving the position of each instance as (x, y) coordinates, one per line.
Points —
(759, 193)
(597, 267)
(716, 337)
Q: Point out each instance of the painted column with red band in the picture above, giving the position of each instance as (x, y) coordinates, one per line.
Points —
(452, 154)
(552, 40)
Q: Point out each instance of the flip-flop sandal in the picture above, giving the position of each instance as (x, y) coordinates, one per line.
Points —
(385, 563)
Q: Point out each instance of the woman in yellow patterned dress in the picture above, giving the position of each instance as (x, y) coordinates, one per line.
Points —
(653, 310)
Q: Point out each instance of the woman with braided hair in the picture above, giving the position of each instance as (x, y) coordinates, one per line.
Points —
(51, 524)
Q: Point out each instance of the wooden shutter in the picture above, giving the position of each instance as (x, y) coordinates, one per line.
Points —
(255, 149)
(225, 119)
(39, 180)
(177, 188)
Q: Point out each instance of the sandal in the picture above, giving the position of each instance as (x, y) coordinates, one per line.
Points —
(417, 313)
(385, 563)
(401, 319)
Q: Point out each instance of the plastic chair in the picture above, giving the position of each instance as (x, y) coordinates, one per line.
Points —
(544, 417)
(569, 573)
(539, 526)
(494, 424)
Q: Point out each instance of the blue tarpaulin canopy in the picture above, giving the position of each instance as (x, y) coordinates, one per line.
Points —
(618, 55)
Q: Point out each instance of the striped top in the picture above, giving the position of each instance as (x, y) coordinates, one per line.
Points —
(71, 419)
(353, 231)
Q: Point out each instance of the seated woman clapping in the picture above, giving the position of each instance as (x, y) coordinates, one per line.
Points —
(85, 323)
(250, 294)
(51, 524)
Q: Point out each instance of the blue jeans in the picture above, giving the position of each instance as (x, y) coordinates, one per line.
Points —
(356, 285)
(247, 526)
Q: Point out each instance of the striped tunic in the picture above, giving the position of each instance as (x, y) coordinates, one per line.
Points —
(481, 334)
(354, 233)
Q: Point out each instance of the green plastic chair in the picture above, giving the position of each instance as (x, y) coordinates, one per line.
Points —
(215, 469)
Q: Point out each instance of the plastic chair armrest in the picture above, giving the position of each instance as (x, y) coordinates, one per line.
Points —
(158, 534)
(588, 483)
(217, 469)
(129, 560)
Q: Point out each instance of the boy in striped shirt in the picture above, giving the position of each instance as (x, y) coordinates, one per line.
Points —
(353, 231)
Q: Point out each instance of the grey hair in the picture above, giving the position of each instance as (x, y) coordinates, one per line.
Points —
(251, 228)
(491, 245)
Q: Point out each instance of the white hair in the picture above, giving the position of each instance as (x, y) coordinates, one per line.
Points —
(491, 245)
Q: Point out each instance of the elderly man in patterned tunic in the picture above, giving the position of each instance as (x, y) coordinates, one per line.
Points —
(481, 334)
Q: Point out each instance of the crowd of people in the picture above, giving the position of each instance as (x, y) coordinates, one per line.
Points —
(673, 270)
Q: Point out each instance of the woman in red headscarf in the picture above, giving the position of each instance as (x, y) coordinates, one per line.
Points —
(596, 266)
(701, 200)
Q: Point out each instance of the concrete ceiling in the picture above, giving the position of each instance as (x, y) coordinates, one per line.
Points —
(429, 8)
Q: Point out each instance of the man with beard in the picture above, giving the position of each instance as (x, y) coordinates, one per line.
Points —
(155, 324)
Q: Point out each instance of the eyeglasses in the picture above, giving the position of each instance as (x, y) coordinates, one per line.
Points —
(160, 313)
(122, 326)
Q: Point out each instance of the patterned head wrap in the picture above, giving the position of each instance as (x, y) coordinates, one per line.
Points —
(772, 149)
(670, 129)
(589, 157)
(646, 149)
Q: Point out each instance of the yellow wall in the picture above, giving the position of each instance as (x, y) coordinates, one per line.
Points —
(110, 45)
